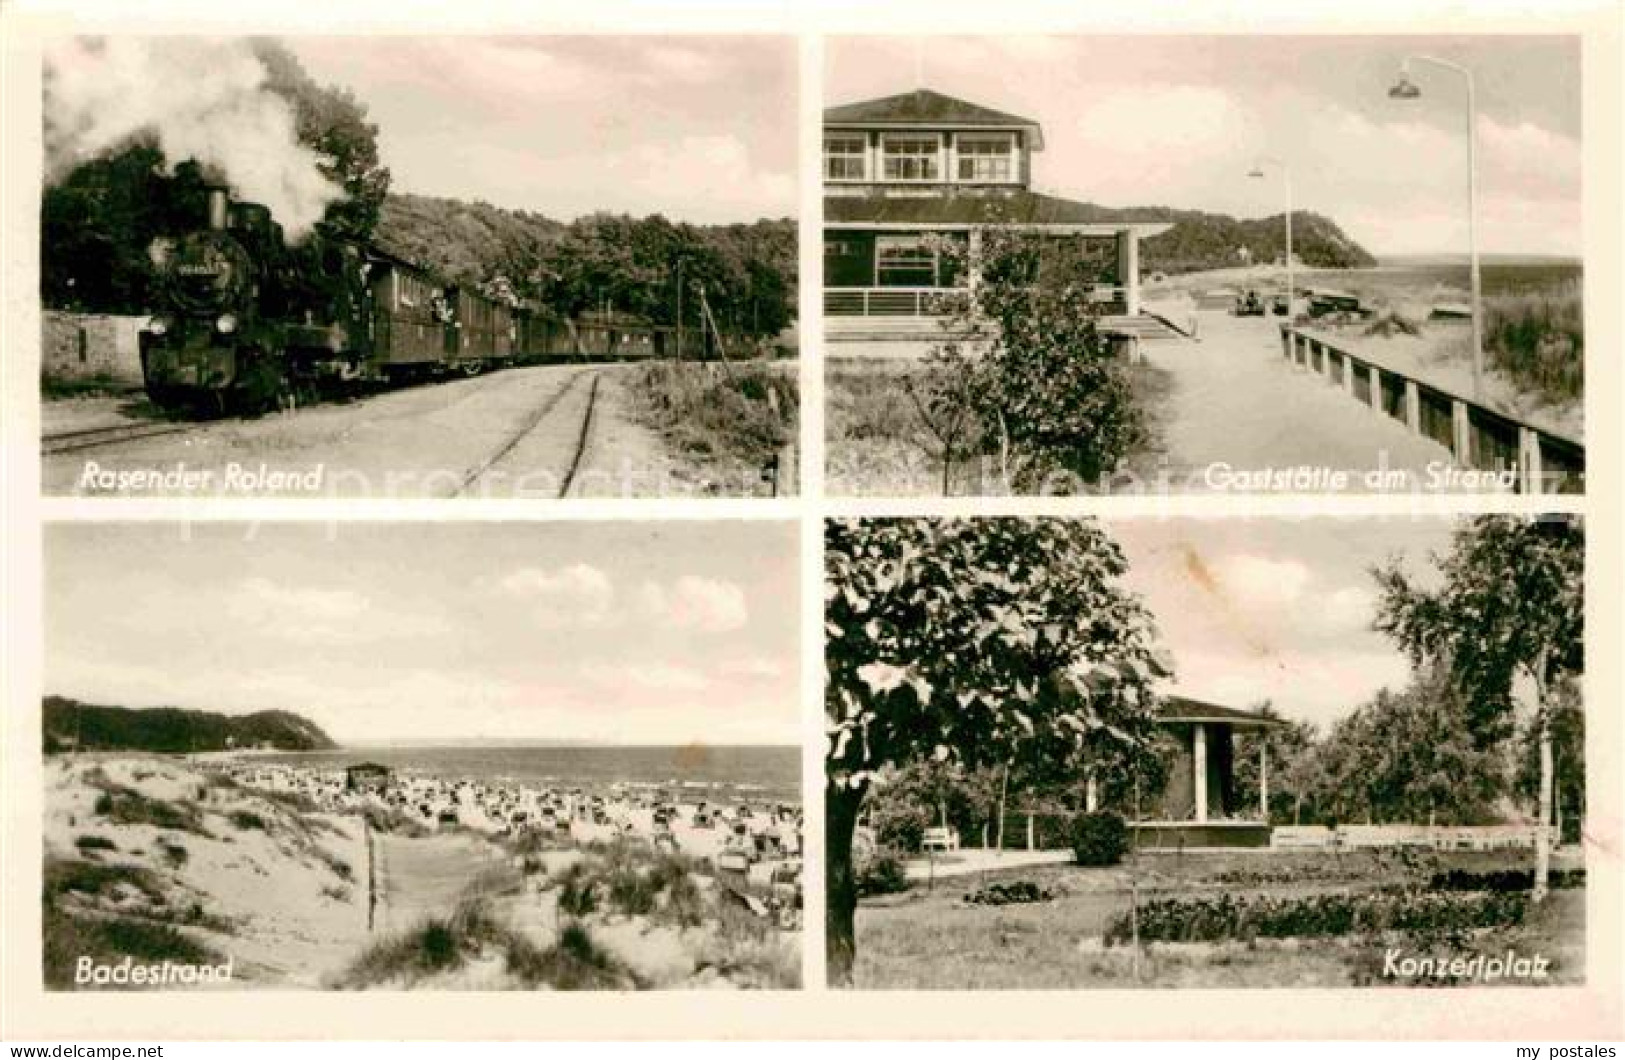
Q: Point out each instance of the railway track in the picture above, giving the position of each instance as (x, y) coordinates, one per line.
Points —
(96, 437)
(574, 445)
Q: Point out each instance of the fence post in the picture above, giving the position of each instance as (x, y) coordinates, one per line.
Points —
(1531, 476)
(1348, 375)
(1461, 432)
(1413, 407)
(1375, 396)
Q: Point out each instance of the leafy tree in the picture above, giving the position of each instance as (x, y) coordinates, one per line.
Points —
(966, 641)
(1290, 748)
(1568, 760)
(1028, 365)
(1409, 757)
(1510, 607)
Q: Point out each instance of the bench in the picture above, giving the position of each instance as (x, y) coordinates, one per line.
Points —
(945, 839)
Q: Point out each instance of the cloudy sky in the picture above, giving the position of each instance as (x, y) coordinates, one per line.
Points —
(1276, 609)
(1179, 121)
(629, 632)
(701, 129)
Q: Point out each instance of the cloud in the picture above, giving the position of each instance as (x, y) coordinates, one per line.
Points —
(704, 605)
(1261, 583)
(582, 596)
(646, 677)
(752, 669)
(309, 615)
(1161, 125)
(579, 595)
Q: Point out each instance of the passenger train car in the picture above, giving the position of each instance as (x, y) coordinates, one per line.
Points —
(247, 322)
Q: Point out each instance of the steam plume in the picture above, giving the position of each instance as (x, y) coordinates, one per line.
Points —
(199, 99)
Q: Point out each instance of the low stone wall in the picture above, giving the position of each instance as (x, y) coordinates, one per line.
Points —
(81, 346)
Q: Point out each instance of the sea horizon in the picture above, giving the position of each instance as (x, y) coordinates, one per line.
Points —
(760, 770)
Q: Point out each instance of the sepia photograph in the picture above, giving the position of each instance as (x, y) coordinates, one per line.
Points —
(1158, 264)
(405, 267)
(1193, 753)
(487, 756)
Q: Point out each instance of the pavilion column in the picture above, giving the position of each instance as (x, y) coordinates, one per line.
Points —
(1128, 269)
(1091, 794)
(973, 259)
(1263, 781)
(1199, 769)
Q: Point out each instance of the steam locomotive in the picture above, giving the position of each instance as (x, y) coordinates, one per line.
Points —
(249, 322)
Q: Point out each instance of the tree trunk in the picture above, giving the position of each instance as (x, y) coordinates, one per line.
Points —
(1543, 838)
(1543, 841)
(1004, 785)
(841, 806)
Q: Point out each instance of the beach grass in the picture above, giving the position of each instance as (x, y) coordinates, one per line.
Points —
(77, 902)
(1538, 338)
(434, 946)
(574, 961)
(126, 806)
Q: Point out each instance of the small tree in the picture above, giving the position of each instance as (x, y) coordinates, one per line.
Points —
(967, 641)
(1026, 364)
(1511, 605)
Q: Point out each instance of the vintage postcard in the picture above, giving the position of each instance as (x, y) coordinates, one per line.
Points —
(716, 521)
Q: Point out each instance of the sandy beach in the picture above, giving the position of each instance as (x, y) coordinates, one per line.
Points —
(315, 877)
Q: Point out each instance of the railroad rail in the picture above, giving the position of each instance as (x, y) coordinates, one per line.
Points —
(529, 426)
(96, 437)
(1477, 436)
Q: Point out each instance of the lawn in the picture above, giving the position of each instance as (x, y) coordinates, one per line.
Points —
(935, 939)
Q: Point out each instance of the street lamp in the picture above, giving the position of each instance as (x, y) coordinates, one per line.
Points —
(1406, 89)
(1257, 173)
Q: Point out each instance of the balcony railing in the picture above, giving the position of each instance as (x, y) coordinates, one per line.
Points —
(929, 301)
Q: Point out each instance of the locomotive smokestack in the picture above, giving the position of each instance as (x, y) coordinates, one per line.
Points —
(217, 209)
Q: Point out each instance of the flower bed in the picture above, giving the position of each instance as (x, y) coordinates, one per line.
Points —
(1227, 917)
(1020, 892)
(1504, 880)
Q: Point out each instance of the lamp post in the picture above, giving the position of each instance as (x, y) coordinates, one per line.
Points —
(1406, 89)
(1257, 173)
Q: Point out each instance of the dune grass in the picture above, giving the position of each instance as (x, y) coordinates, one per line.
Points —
(574, 962)
(68, 938)
(125, 806)
(71, 931)
(1538, 338)
(436, 945)
(441, 946)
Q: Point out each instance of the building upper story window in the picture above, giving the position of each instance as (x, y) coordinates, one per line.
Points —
(912, 158)
(986, 158)
(845, 157)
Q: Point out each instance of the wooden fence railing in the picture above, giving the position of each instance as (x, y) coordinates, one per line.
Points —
(1477, 436)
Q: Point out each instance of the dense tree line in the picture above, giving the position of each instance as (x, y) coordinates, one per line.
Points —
(71, 725)
(1212, 241)
(650, 267)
